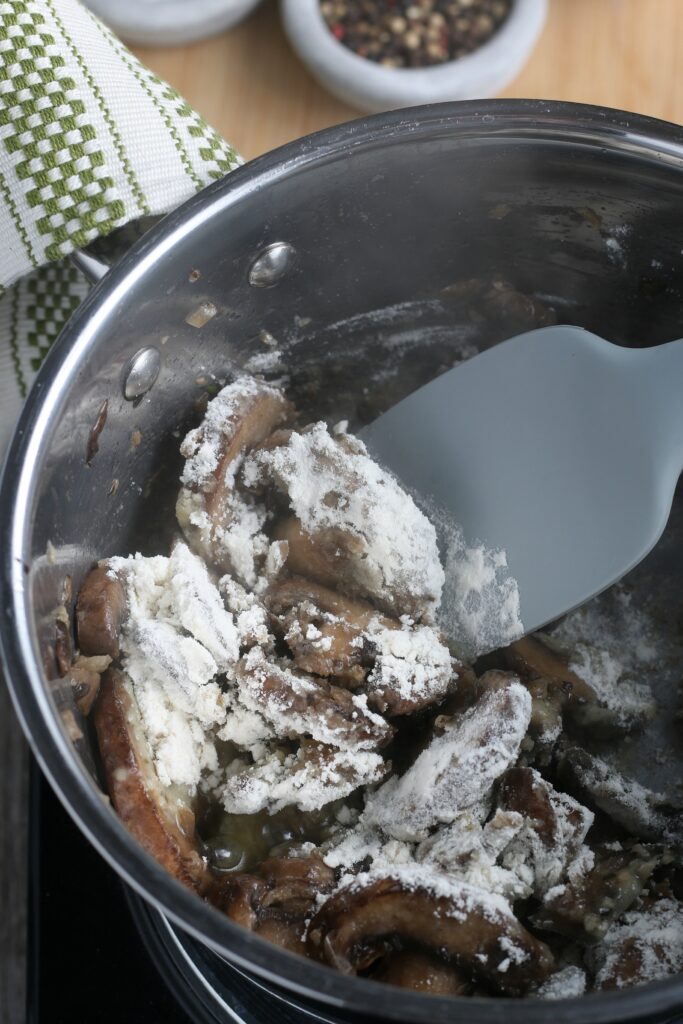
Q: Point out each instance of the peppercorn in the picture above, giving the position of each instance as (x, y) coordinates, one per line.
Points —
(414, 33)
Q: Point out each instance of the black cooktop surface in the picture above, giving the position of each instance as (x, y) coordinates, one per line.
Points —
(87, 961)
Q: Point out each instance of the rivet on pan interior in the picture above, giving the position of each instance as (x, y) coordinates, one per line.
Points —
(272, 264)
(140, 373)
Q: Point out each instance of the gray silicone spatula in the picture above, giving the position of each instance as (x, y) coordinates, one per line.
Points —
(556, 446)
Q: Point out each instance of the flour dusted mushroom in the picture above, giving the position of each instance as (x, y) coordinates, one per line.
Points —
(372, 539)
(160, 817)
(554, 829)
(475, 930)
(457, 770)
(301, 705)
(328, 556)
(325, 631)
(314, 776)
(645, 945)
(639, 810)
(222, 525)
(101, 609)
(402, 667)
(585, 907)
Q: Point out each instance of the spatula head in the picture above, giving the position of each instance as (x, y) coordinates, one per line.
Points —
(545, 447)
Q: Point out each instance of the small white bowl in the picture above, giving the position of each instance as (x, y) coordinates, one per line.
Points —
(372, 87)
(169, 22)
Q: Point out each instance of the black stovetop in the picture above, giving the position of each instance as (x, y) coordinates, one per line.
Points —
(87, 961)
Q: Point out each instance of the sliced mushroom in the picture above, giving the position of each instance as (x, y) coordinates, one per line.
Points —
(645, 945)
(531, 658)
(555, 826)
(476, 931)
(412, 669)
(161, 818)
(242, 415)
(316, 775)
(240, 897)
(584, 908)
(456, 772)
(63, 646)
(545, 725)
(327, 556)
(639, 810)
(294, 883)
(325, 631)
(567, 983)
(277, 904)
(100, 611)
(355, 527)
(300, 705)
(85, 675)
(421, 972)
(404, 668)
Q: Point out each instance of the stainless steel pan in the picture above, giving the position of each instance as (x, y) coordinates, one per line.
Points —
(396, 232)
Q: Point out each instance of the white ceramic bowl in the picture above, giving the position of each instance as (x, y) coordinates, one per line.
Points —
(372, 87)
(169, 22)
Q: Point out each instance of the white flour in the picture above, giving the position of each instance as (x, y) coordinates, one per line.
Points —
(612, 645)
(565, 984)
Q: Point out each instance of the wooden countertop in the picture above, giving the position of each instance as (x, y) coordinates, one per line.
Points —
(250, 86)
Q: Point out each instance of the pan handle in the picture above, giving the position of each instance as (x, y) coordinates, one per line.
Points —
(91, 267)
(102, 254)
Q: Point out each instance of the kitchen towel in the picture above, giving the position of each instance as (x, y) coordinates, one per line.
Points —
(90, 139)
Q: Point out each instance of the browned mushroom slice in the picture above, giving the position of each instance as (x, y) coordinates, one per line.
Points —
(531, 658)
(639, 810)
(545, 725)
(85, 675)
(277, 905)
(242, 415)
(240, 897)
(160, 818)
(585, 907)
(423, 973)
(643, 946)
(100, 611)
(456, 772)
(475, 930)
(300, 705)
(325, 630)
(327, 556)
(555, 826)
(355, 527)
(316, 775)
(294, 883)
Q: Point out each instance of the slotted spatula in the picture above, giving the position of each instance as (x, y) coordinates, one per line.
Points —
(556, 446)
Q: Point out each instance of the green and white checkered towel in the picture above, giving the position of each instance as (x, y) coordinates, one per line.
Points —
(90, 139)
